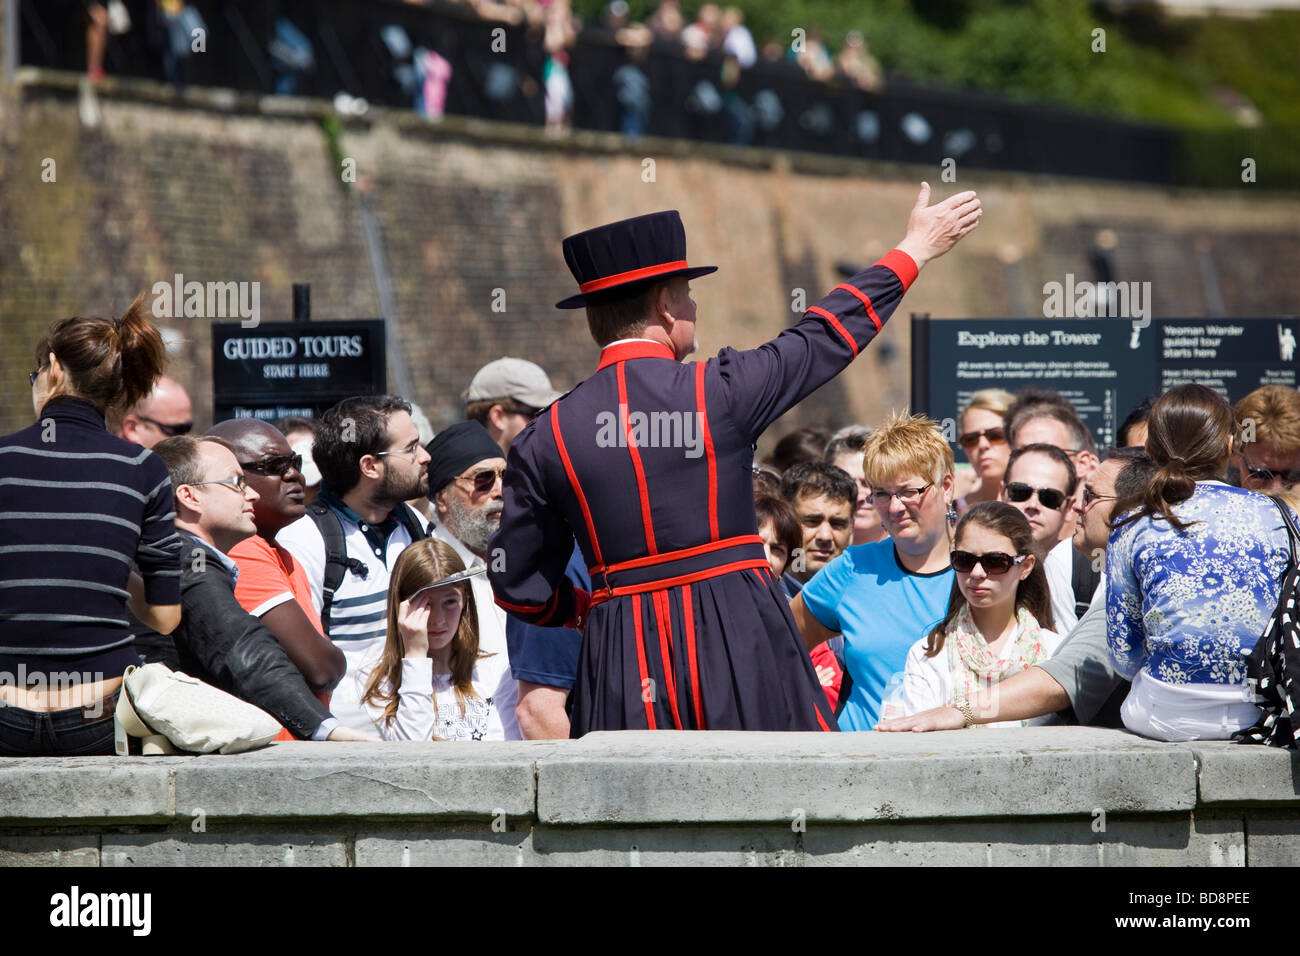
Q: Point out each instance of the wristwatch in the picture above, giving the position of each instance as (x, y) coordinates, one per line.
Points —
(963, 705)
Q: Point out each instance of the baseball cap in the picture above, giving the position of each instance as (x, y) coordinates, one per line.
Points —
(515, 378)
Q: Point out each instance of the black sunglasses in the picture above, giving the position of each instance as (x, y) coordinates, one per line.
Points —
(1049, 498)
(484, 480)
(277, 465)
(996, 436)
(994, 562)
(171, 431)
(1268, 474)
(33, 376)
(1089, 496)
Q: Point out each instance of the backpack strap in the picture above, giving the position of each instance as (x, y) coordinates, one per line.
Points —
(337, 562)
(1084, 579)
(407, 518)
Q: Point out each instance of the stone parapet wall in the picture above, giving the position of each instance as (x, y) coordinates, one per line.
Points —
(1069, 796)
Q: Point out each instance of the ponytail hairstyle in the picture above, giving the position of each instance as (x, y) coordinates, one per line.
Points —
(112, 363)
(1189, 432)
(1031, 593)
(422, 563)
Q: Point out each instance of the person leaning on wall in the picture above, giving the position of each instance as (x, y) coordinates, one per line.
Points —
(77, 507)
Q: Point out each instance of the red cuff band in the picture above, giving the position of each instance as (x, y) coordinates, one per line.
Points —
(900, 264)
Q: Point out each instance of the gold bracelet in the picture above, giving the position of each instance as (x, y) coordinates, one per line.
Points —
(963, 705)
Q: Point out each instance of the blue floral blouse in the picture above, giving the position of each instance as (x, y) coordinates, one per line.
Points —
(1189, 605)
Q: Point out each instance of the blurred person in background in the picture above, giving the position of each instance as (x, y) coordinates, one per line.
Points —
(505, 395)
(885, 596)
(300, 433)
(164, 413)
(1132, 432)
(844, 451)
(77, 507)
(1043, 416)
(983, 439)
(1193, 572)
(802, 444)
(1266, 455)
(856, 62)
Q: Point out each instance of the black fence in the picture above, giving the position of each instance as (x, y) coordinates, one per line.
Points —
(367, 48)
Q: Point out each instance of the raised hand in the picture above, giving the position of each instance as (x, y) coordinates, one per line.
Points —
(413, 625)
(933, 230)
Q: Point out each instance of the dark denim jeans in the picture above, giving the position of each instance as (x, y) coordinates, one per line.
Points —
(58, 733)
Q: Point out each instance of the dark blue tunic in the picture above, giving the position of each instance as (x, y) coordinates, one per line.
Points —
(648, 464)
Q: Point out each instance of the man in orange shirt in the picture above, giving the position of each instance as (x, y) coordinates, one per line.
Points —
(272, 585)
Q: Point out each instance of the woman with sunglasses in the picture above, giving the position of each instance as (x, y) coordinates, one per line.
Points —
(78, 506)
(981, 436)
(429, 680)
(1193, 571)
(999, 616)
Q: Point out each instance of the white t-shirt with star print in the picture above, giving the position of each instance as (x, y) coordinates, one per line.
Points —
(427, 707)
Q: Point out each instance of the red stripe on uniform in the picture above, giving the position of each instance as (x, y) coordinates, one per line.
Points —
(688, 614)
(864, 299)
(646, 522)
(818, 711)
(664, 621)
(640, 663)
(702, 412)
(835, 324)
(537, 610)
(573, 483)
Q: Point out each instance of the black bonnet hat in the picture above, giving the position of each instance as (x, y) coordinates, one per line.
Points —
(626, 254)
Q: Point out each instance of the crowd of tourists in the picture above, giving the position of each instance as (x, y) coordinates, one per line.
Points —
(332, 572)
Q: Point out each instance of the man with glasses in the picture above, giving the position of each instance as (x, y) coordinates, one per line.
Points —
(217, 640)
(1040, 481)
(166, 413)
(1267, 454)
(272, 586)
(371, 461)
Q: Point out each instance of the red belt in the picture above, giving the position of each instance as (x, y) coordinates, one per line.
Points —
(698, 563)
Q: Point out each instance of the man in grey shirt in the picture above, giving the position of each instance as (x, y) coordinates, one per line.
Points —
(1078, 676)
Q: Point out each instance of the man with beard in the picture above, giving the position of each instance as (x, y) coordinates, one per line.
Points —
(272, 586)
(465, 469)
(371, 461)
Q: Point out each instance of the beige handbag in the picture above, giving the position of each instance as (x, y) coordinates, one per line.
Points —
(170, 711)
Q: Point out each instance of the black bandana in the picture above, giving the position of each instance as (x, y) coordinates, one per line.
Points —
(456, 448)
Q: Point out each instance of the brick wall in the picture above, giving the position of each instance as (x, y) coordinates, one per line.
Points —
(157, 189)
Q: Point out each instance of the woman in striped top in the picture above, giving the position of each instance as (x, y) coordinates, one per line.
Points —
(77, 507)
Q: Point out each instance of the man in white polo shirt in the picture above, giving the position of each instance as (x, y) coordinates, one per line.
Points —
(370, 459)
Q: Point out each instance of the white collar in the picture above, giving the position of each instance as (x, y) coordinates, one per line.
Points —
(637, 339)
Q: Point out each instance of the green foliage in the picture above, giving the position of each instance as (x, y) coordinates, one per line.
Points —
(1156, 68)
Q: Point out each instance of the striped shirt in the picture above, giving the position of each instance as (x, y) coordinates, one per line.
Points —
(77, 506)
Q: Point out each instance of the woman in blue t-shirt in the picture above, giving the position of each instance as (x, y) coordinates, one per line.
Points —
(886, 595)
(1192, 576)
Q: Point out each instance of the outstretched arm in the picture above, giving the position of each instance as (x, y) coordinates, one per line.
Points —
(760, 385)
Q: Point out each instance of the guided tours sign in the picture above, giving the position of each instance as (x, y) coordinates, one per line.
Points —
(295, 368)
(1105, 367)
